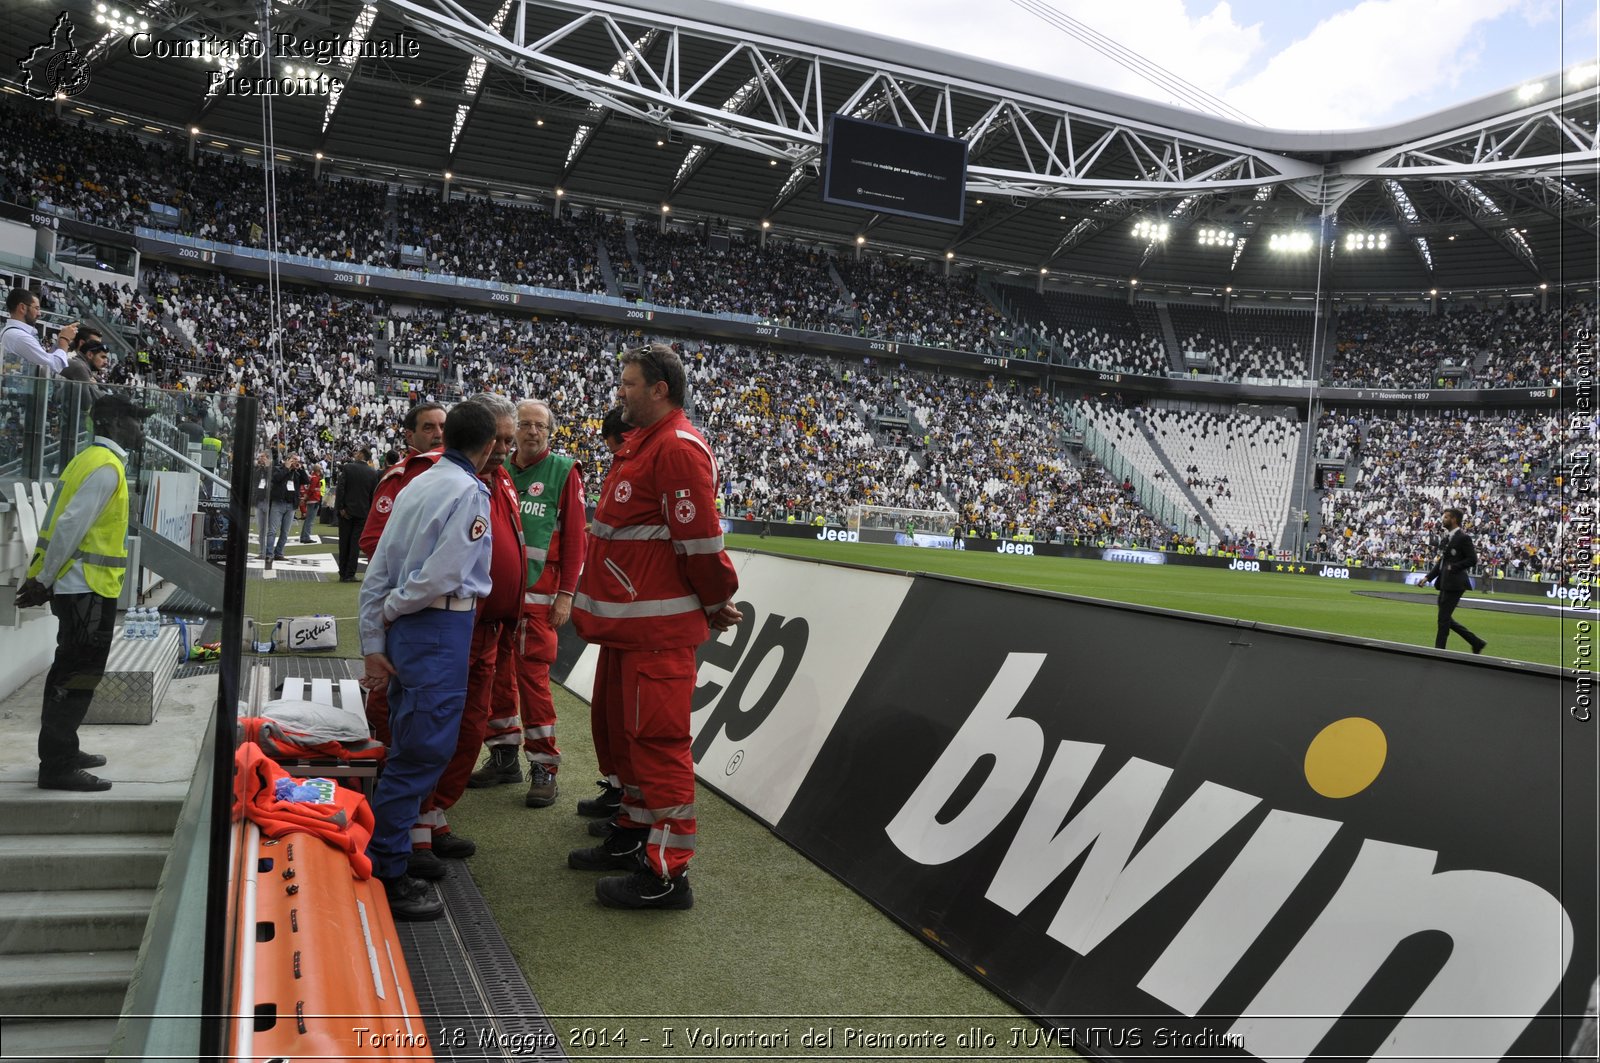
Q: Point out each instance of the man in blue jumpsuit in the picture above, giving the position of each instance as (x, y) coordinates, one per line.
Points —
(417, 607)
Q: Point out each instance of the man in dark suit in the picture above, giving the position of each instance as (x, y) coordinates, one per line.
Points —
(1456, 558)
(357, 478)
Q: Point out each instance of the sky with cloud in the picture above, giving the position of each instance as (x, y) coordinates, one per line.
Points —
(1300, 64)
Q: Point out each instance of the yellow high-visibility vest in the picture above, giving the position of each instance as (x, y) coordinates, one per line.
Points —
(104, 550)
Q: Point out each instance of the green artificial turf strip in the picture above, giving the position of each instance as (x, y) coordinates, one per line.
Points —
(1307, 602)
(770, 934)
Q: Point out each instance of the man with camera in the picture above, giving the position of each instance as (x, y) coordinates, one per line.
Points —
(284, 501)
(19, 337)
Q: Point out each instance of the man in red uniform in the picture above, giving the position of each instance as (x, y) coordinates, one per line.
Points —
(613, 432)
(423, 429)
(655, 580)
(549, 492)
(491, 671)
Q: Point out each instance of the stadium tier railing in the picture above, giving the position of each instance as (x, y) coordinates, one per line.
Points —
(1149, 497)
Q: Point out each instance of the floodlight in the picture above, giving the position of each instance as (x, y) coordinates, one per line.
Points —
(1290, 241)
(949, 254)
(448, 176)
(143, 24)
(1145, 229)
(319, 155)
(766, 225)
(666, 209)
(860, 240)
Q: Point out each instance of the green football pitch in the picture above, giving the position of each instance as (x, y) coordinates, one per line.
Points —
(1300, 601)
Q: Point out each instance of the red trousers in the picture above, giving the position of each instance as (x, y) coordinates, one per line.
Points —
(491, 682)
(532, 719)
(644, 698)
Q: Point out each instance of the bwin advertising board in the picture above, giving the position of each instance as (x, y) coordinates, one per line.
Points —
(1164, 834)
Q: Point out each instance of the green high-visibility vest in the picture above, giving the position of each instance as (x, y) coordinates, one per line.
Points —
(104, 550)
(539, 488)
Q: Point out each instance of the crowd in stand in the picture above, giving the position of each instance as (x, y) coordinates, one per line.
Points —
(117, 179)
(893, 299)
(1503, 468)
(779, 282)
(499, 242)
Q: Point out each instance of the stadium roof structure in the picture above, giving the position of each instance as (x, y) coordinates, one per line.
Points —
(718, 110)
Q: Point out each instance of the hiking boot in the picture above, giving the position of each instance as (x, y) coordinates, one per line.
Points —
(606, 804)
(411, 900)
(425, 863)
(453, 846)
(645, 889)
(601, 828)
(501, 767)
(72, 779)
(542, 789)
(622, 851)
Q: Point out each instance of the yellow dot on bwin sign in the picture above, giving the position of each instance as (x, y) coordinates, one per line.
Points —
(1345, 757)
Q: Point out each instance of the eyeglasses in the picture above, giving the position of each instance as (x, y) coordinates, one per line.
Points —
(527, 426)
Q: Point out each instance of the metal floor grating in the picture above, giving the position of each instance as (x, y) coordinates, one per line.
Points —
(306, 667)
(477, 1004)
(303, 574)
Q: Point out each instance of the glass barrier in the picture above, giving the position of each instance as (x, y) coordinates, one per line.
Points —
(175, 655)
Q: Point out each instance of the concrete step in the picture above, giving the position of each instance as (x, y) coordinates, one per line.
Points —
(87, 984)
(49, 812)
(62, 1039)
(74, 920)
(35, 863)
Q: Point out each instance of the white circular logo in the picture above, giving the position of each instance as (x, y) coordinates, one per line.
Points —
(624, 491)
(536, 489)
(384, 504)
(683, 510)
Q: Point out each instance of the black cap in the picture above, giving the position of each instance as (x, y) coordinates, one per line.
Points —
(90, 348)
(110, 407)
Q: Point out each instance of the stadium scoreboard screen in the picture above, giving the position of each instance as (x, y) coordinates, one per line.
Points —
(892, 170)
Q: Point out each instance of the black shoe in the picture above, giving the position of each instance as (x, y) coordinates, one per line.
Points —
(453, 846)
(606, 804)
(72, 779)
(501, 767)
(425, 863)
(280, 557)
(645, 889)
(621, 851)
(1477, 647)
(411, 900)
(88, 760)
(601, 828)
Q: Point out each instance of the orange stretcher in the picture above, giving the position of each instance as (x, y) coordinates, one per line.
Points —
(318, 969)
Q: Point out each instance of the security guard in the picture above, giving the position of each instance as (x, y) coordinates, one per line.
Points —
(78, 568)
(417, 606)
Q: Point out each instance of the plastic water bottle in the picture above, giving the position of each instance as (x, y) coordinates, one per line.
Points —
(141, 625)
(147, 629)
(128, 620)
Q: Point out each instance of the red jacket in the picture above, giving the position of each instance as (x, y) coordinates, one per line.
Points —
(393, 479)
(508, 563)
(655, 566)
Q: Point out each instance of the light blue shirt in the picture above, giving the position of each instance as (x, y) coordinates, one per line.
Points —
(436, 543)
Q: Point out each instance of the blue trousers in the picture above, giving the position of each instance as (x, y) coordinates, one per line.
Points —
(430, 651)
